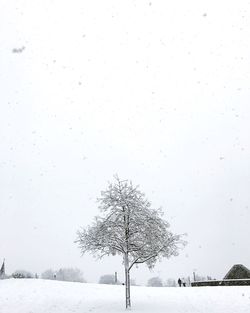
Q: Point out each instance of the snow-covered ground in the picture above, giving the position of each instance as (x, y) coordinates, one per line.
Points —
(44, 296)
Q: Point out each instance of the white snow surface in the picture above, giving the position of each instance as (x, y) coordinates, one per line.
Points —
(44, 296)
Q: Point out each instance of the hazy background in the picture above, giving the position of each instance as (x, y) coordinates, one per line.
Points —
(155, 91)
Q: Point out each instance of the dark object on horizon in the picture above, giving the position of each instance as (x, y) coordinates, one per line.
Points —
(18, 50)
(179, 282)
(238, 271)
(184, 284)
(2, 270)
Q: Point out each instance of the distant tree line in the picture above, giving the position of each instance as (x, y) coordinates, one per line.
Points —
(170, 282)
(110, 279)
(22, 274)
(158, 282)
(64, 274)
(76, 275)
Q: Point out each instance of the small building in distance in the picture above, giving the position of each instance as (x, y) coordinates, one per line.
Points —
(238, 271)
(239, 275)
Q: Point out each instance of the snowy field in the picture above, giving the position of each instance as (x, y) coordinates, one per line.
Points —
(44, 296)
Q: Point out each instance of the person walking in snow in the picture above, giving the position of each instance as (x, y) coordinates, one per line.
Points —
(179, 282)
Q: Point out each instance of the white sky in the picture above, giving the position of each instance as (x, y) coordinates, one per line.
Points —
(156, 91)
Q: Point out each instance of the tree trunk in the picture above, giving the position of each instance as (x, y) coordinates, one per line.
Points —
(129, 288)
(127, 281)
(126, 260)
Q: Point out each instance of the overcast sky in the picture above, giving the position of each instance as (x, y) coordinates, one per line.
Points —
(154, 91)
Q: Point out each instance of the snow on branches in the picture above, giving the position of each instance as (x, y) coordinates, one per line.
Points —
(129, 227)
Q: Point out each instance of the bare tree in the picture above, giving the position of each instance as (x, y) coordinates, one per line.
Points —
(128, 227)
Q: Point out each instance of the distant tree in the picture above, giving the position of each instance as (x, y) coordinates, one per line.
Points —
(128, 227)
(70, 274)
(22, 274)
(155, 282)
(200, 278)
(48, 274)
(170, 283)
(133, 282)
(64, 274)
(108, 279)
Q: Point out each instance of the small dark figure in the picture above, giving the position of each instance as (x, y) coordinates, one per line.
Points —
(184, 284)
(179, 282)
